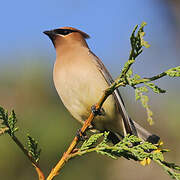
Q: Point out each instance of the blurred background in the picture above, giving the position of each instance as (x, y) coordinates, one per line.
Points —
(26, 85)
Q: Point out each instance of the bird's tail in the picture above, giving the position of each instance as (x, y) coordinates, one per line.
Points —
(142, 133)
(131, 127)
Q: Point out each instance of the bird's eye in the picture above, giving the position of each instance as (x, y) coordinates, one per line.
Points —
(66, 32)
(63, 31)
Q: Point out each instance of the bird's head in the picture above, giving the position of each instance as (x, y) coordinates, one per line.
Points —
(67, 35)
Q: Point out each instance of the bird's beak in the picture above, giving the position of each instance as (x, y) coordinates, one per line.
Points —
(51, 34)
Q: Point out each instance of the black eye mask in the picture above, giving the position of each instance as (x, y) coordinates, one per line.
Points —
(63, 31)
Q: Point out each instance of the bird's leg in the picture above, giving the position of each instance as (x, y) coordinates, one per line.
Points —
(99, 112)
(81, 135)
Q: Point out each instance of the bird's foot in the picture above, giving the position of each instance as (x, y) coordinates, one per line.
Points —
(99, 112)
(80, 135)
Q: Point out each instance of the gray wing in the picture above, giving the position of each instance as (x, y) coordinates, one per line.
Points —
(128, 124)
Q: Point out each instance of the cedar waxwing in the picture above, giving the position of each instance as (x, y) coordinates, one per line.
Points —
(80, 79)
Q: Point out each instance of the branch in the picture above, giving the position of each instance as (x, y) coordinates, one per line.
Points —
(144, 80)
(30, 157)
(8, 126)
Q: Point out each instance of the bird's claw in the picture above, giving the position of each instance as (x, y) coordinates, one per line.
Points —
(99, 112)
(80, 135)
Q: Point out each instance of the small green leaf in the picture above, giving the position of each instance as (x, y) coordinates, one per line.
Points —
(136, 77)
(144, 101)
(143, 89)
(150, 120)
(126, 67)
(137, 95)
(139, 154)
(149, 115)
(174, 72)
(109, 154)
(134, 139)
(91, 141)
(129, 73)
(143, 42)
(3, 115)
(133, 80)
(143, 24)
(158, 155)
(155, 88)
(8, 121)
(33, 149)
(105, 140)
(147, 145)
(12, 120)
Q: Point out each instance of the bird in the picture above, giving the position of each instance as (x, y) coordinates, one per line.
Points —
(80, 79)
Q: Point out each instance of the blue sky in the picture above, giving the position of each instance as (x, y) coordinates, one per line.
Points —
(109, 24)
